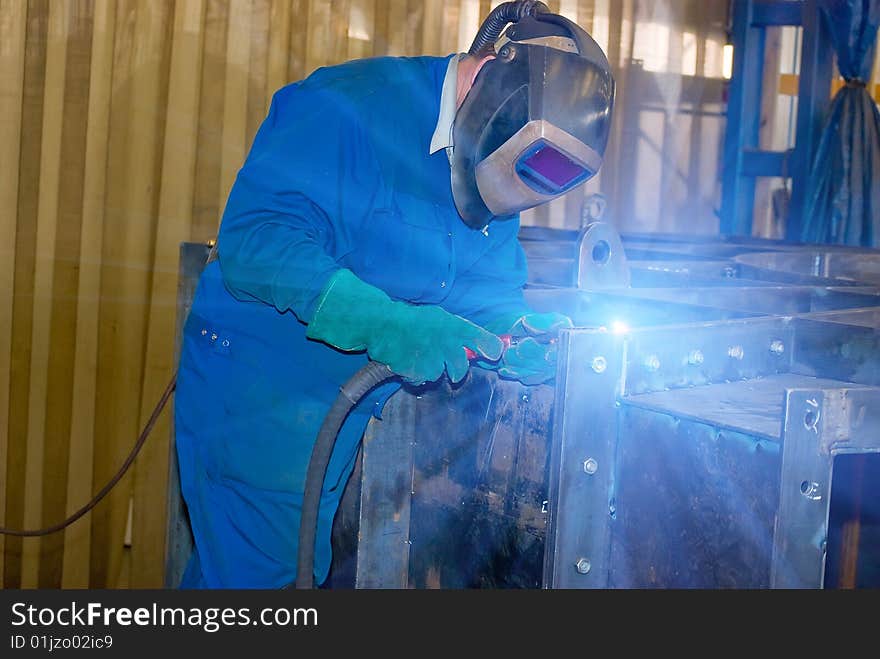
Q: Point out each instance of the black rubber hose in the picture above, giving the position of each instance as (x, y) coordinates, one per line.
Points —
(498, 18)
(358, 386)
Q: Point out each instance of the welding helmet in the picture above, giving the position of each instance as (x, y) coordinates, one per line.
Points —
(535, 122)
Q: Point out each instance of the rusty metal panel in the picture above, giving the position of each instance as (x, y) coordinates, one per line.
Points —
(386, 487)
(836, 350)
(478, 492)
(694, 504)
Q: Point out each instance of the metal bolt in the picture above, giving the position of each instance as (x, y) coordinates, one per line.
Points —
(213, 337)
(735, 352)
(777, 347)
(583, 565)
(695, 358)
(590, 466)
(810, 489)
(652, 363)
(525, 398)
(599, 364)
(204, 332)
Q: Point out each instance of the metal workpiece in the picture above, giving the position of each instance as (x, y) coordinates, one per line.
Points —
(694, 504)
(805, 489)
(584, 430)
(462, 509)
(830, 266)
(709, 479)
(824, 347)
(611, 310)
(663, 358)
(766, 300)
(601, 258)
(699, 429)
(383, 547)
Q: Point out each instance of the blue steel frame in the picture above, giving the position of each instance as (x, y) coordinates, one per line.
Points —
(744, 161)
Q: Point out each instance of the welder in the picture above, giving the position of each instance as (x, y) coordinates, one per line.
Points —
(375, 218)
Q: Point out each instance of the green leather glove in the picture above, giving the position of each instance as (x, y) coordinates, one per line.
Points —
(416, 342)
(532, 358)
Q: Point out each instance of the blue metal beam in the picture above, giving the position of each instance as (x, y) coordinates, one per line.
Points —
(767, 13)
(814, 97)
(765, 163)
(743, 120)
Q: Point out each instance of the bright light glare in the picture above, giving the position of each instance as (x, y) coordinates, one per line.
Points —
(619, 327)
(727, 61)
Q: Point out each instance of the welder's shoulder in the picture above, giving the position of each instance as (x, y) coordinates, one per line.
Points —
(365, 89)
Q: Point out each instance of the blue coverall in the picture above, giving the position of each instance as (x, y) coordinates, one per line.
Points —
(339, 176)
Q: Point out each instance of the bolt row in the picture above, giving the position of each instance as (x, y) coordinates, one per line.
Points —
(695, 357)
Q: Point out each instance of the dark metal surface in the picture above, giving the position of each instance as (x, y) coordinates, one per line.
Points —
(478, 503)
(825, 348)
(831, 266)
(753, 407)
(386, 488)
(694, 504)
(461, 509)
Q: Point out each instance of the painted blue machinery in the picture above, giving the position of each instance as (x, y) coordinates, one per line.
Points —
(744, 161)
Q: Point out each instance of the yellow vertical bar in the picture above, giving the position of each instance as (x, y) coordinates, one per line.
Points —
(318, 47)
(128, 246)
(569, 9)
(340, 15)
(174, 223)
(397, 27)
(13, 16)
(449, 31)
(47, 217)
(142, 185)
(432, 28)
(258, 67)
(235, 100)
(206, 211)
(279, 45)
(77, 538)
(468, 23)
(113, 380)
(362, 17)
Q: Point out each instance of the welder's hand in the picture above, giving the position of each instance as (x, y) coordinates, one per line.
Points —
(417, 342)
(532, 358)
(529, 362)
(531, 324)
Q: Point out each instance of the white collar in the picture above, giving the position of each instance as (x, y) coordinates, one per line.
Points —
(442, 138)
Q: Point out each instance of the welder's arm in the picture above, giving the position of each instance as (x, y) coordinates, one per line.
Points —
(418, 342)
(303, 190)
(491, 292)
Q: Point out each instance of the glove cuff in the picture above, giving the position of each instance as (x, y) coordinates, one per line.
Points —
(346, 311)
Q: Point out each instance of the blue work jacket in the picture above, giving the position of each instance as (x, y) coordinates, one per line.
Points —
(339, 176)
